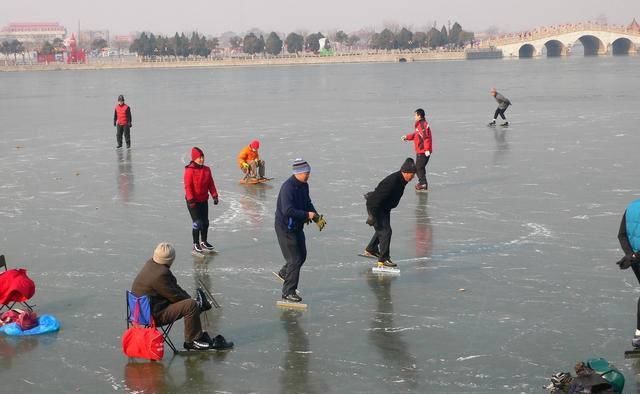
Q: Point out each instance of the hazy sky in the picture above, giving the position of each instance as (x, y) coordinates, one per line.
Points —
(217, 16)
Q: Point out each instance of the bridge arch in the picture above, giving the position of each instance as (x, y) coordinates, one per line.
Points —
(555, 48)
(622, 46)
(527, 51)
(593, 46)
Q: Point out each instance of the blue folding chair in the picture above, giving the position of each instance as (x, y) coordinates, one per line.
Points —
(11, 304)
(144, 317)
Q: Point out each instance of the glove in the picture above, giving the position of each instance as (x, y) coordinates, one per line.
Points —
(191, 203)
(244, 165)
(627, 261)
(215, 201)
(319, 221)
(371, 220)
(129, 125)
(427, 153)
(404, 138)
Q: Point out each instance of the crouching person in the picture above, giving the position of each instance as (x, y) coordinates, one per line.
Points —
(169, 302)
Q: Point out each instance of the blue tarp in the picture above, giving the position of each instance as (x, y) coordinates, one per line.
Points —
(46, 324)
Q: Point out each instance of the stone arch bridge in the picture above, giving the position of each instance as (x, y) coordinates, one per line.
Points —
(597, 39)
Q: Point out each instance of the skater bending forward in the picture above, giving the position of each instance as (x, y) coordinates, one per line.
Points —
(198, 184)
(249, 161)
(293, 209)
(169, 302)
(503, 104)
(629, 237)
(380, 202)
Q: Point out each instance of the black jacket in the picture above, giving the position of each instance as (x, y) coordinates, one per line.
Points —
(156, 281)
(387, 194)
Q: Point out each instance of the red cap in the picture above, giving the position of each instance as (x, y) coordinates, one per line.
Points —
(255, 145)
(195, 153)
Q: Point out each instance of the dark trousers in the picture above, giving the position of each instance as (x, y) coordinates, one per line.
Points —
(381, 240)
(294, 251)
(499, 112)
(421, 165)
(200, 217)
(189, 310)
(126, 130)
(636, 270)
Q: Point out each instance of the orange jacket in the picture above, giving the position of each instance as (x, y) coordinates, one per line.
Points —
(247, 155)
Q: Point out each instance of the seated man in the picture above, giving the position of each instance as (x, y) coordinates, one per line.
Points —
(169, 302)
(249, 161)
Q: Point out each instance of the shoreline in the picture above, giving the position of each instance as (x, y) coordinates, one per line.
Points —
(231, 62)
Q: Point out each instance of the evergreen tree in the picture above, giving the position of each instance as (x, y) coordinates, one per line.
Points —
(273, 45)
(294, 43)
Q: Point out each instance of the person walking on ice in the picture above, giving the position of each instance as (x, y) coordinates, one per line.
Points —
(380, 202)
(629, 238)
(293, 209)
(503, 104)
(423, 146)
(122, 122)
(198, 184)
(249, 161)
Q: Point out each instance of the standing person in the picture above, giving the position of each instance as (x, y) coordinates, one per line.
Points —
(503, 104)
(198, 184)
(122, 122)
(249, 161)
(423, 145)
(380, 202)
(169, 302)
(293, 209)
(629, 238)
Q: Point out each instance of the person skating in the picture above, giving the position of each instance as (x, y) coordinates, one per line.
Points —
(293, 209)
(122, 121)
(380, 202)
(198, 184)
(629, 238)
(249, 161)
(423, 146)
(503, 104)
(169, 302)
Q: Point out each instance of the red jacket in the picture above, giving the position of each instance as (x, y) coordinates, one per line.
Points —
(122, 115)
(198, 183)
(421, 137)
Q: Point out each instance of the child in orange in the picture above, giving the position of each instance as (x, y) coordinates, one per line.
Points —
(249, 161)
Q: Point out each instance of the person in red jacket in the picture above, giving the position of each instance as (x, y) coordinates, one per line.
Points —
(122, 121)
(198, 184)
(422, 143)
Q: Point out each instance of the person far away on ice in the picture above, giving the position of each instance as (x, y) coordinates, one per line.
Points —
(629, 238)
(122, 122)
(294, 209)
(198, 184)
(380, 202)
(169, 302)
(423, 145)
(503, 104)
(249, 161)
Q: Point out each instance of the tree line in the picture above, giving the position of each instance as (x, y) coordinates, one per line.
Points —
(179, 45)
(434, 38)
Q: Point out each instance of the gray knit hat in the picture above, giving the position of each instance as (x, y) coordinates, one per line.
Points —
(164, 253)
(300, 166)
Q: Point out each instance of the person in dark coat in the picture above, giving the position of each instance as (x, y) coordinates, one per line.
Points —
(293, 209)
(169, 302)
(629, 238)
(503, 104)
(380, 202)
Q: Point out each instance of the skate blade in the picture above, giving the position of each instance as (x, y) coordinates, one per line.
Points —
(201, 352)
(635, 353)
(291, 305)
(197, 254)
(298, 292)
(385, 270)
(369, 256)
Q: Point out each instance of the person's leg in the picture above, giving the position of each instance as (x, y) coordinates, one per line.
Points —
(189, 310)
(261, 169)
(636, 270)
(384, 220)
(372, 247)
(502, 114)
(282, 237)
(127, 135)
(203, 213)
(299, 253)
(421, 162)
(495, 115)
(196, 222)
(426, 161)
(119, 131)
(253, 168)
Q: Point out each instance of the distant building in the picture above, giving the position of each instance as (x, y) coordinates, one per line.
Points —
(86, 37)
(634, 26)
(33, 33)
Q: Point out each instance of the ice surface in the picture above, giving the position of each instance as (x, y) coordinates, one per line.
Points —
(508, 270)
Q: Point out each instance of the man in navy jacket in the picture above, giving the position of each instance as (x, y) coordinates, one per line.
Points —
(294, 209)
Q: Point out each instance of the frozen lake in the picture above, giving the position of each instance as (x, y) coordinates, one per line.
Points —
(508, 270)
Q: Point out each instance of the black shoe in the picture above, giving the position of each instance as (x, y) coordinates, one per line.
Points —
(280, 276)
(202, 343)
(388, 263)
(207, 247)
(202, 300)
(368, 253)
(292, 298)
(118, 146)
(197, 248)
(219, 343)
(128, 146)
(492, 123)
(505, 124)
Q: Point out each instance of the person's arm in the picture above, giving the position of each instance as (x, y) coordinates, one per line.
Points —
(242, 157)
(129, 118)
(622, 237)
(115, 116)
(167, 287)
(212, 188)
(188, 184)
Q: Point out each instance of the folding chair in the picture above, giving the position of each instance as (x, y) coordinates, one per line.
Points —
(144, 317)
(11, 303)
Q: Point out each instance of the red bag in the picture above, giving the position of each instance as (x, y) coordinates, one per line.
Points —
(143, 342)
(26, 320)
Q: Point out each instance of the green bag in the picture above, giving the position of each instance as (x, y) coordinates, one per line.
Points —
(610, 373)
